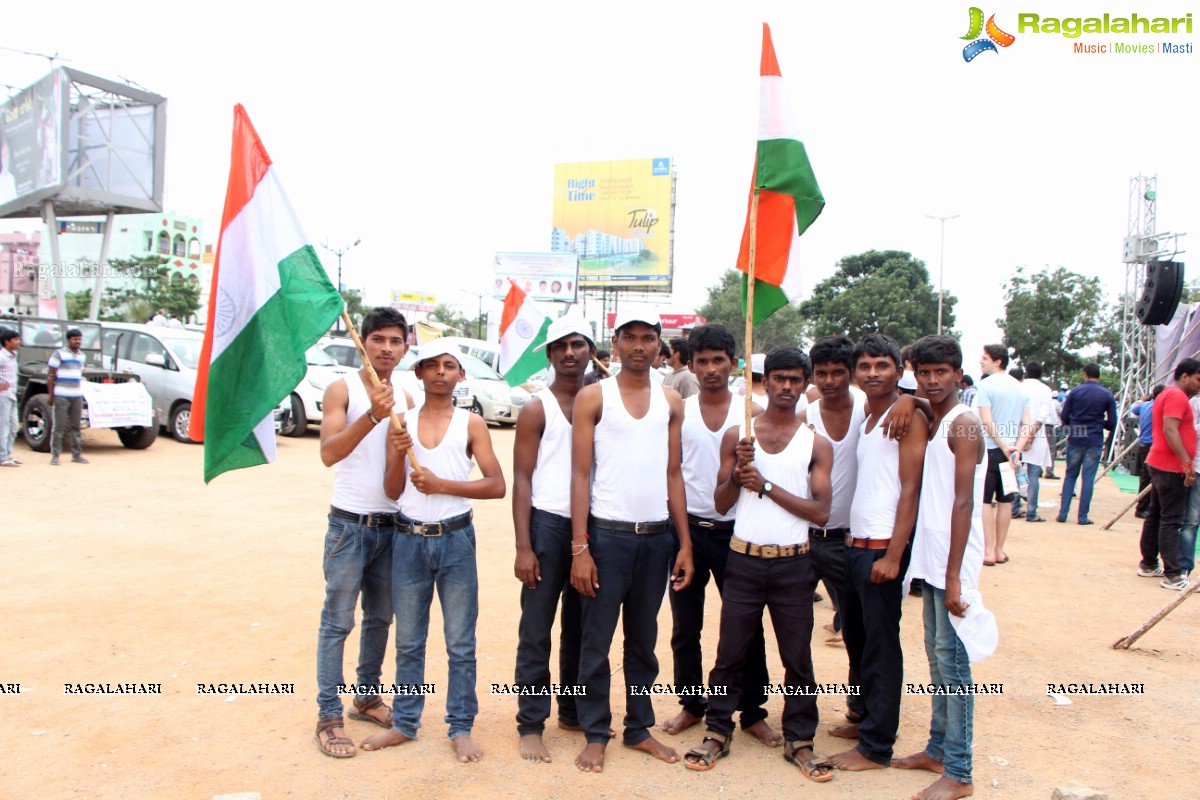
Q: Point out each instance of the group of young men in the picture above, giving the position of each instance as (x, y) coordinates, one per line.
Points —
(624, 492)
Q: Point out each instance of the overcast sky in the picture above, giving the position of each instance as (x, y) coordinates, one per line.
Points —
(430, 131)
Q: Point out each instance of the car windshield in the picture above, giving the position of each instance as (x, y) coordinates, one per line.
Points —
(315, 355)
(187, 348)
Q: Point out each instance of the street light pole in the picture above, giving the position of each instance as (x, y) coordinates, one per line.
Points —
(941, 263)
(339, 252)
(479, 319)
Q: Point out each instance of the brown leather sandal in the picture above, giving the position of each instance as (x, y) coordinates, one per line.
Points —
(324, 726)
(360, 712)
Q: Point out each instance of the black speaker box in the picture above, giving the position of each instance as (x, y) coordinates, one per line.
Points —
(1160, 298)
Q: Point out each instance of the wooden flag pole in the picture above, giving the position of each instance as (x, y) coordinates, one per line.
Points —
(1126, 642)
(1116, 459)
(1125, 510)
(362, 353)
(748, 371)
(601, 368)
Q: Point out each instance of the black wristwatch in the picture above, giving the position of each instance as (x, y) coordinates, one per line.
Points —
(767, 487)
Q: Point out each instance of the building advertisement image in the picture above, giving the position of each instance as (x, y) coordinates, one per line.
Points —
(616, 217)
(30, 131)
(542, 276)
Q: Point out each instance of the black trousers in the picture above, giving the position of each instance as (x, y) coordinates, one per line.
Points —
(632, 572)
(1143, 472)
(1160, 530)
(829, 564)
(710, 553)
(784, 586)
(550, 536)
(871, 627)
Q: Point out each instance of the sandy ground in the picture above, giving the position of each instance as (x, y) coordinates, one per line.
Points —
(132, 570)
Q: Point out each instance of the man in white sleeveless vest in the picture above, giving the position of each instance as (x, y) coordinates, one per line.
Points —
(882, 517)
(542, 521)
(947, 553)
(706, 417)
(435, 547)
(627, 431)
(778, 475)
(358, 544)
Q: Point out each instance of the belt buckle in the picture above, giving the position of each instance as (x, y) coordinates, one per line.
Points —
(768, 551)
(637, 528)
(705, 523)
(849, 540)
(424, 529)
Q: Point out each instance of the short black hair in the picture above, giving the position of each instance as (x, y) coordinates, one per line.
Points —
(997, 353)
(1017, 373)
(1033, 371)
(7, 334)
(602, 354)
(73, 332)
(382, 317)
(680, 345)
(1189, 366)
(711, 337)
(876, 345)
(968, 380)
(1157, 391)
(786, 357)
(1093, 370)
(937, 350)
(832, 350)
(664, 349)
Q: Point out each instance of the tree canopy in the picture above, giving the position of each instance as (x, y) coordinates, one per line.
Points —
(1049, 316)
(879, 291)
(724, 307)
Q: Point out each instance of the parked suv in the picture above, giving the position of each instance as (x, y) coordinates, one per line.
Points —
(41, 336)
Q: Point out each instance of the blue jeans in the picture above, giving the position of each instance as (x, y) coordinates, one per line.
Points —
(1187, 533)
(419, 565)
(1087, 458)
(9, 425)
(358, 560)
(950, 730)
(1031, 494)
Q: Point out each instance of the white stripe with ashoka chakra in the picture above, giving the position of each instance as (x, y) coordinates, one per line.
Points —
(263, 233)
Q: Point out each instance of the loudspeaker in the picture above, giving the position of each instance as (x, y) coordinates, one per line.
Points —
(1160, 298)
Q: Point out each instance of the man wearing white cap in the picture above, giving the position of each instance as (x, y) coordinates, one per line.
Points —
(542, 521)
(626, 491)
(434, 547)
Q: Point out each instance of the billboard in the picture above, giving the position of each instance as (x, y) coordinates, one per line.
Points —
(30, 133)
(616, 216)
(543, 276)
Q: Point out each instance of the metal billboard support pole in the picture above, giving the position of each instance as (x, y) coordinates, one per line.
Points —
(105, 241)
(51, 220)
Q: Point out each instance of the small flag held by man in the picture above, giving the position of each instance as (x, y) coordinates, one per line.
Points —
(522, 328)
(270, 301)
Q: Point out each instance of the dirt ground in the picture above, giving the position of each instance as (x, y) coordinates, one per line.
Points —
(131, 570)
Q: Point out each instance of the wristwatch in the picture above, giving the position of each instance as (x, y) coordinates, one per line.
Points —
(767, 487)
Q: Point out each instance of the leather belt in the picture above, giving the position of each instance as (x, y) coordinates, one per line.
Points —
(828, 533)
(629, 527)
(434, 528)
(868, 544)
(711, 524)
(370, 520)
(767, 550)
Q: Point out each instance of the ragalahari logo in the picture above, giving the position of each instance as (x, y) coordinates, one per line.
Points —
(995, 36)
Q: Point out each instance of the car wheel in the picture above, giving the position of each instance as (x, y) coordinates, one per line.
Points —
(36, 427)
(181, 418)
(476, 408)
(297, 423)
(138, 438)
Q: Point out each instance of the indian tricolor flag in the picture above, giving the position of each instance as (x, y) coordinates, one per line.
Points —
(788, 196)
(270, 301)
(522, 328)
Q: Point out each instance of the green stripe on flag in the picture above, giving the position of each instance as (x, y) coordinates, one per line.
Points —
(265, 362)
(531, 360)
(783, 167)
(768, 298)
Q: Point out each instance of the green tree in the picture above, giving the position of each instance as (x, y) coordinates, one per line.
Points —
(879, 291)
(1049, 316)
(155, 287)
(79, 304)
(724, 307)
(449, 315)
(354, 306)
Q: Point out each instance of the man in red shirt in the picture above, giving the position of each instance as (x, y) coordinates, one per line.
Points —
(1171, 473)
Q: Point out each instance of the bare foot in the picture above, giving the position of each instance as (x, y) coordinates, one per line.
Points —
(829, 627)
(466, 750)
(680, 723)
(656, 749)
(944, 789)
(847, 731)
(918, 761)
(835, 640)
(765, 734)
(591, 758)
(381, 740)
(534, 749)
(852, 761)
